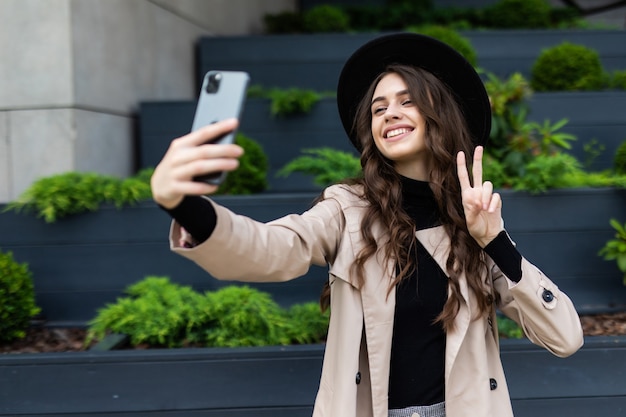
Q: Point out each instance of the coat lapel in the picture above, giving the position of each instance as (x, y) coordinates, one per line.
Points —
(378, 314)
(437, 243)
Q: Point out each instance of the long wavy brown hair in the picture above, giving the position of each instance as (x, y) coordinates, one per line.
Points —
(446, 134)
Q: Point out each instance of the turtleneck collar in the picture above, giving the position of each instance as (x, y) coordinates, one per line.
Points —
(419, 202)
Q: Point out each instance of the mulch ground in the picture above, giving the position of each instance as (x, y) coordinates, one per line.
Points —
(44, 339)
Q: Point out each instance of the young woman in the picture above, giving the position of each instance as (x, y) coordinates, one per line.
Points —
(418, 257)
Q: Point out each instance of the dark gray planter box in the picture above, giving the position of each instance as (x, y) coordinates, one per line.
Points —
(591, 115)
(504, 52)
(282, 138)
(277, 381)
(599, 115)
(81, 263)
(561, 232)
(315, 60)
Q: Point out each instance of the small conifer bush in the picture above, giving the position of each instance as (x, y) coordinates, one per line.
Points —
(567, 67)
(17, 298)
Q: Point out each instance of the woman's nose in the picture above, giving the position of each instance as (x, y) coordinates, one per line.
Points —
(393, 112)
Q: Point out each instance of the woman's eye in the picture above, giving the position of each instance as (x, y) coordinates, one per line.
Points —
(407, 102)
(378, 110)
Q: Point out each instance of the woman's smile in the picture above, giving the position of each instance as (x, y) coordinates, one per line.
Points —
(396, 133)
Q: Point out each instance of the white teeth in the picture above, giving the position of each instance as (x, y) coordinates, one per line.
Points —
(396, 132)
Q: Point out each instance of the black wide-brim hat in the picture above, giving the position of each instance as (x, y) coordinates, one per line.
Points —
(371, 59)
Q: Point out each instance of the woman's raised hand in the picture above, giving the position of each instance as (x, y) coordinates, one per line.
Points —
(481, 205)
(190, 156)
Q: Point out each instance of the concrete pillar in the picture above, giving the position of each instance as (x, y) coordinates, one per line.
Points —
(74, 71)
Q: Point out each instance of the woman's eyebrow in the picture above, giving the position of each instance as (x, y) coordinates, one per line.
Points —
(398, 94)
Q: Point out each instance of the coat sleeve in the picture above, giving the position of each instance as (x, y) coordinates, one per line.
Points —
(243, 249)
(546, 314)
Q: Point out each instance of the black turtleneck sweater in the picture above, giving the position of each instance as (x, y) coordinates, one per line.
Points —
(416, 374)
(418, 346)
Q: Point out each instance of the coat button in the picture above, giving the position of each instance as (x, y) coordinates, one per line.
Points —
(493, 384)
(358, 378)
(547, 296)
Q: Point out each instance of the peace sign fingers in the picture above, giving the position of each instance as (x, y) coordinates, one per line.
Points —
(480, 204)
(477, 169)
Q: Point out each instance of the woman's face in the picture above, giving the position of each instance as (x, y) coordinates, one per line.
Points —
(398, 128)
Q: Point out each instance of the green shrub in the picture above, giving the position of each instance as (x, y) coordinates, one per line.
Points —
(393, 15)
(529, 156)
(517, 14)
(398, 14)
(292, 101)
(594, 179)
(242, 316)
(592, 149)
(567, 67)
(458, 17)
(509, 110)
(156, 313)
(508, 329)
(617, 80)
(251, 176)
(70, 193)
(530, 147)
(547, 171)
(62, 195)
(364, 17)
(325, 18)
(327, 165)
(619, 162)
(285, 102)
(17, 298)
(615, 249)
(307, 324)
(566, 17)
(451, 37)
(285, 22)
(494, 171)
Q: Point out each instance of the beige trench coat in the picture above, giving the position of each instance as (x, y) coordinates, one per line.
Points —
(361, 322)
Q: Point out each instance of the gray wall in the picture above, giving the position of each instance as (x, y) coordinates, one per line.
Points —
(74, 71)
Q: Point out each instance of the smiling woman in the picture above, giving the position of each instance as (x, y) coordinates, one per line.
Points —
(418, 259)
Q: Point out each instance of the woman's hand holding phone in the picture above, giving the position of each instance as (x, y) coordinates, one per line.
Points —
(191, 156)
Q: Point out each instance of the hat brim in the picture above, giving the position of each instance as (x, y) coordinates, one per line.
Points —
(371, 59)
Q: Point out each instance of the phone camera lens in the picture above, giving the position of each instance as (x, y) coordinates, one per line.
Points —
(214, 83)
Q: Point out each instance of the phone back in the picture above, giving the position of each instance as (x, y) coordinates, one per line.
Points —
(222, 96)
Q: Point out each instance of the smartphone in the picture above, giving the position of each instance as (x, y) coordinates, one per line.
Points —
(222, 97)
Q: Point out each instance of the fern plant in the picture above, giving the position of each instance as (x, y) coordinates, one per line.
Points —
(156, 312)
(327, 165)
(306, 323)
(159, 313)
(61, 195)
(292, 101)
(285, 102)
(615, 249)
(242, 316)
